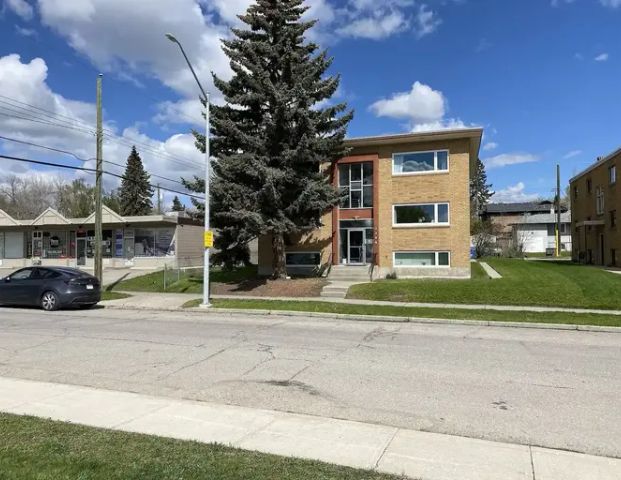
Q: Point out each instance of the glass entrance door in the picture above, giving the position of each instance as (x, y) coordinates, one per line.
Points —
(81, 251)
(356, 246)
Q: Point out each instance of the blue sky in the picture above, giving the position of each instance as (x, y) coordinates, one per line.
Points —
(541, 77)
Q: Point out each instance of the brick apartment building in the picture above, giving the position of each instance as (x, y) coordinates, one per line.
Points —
(407, 211)
(595, 201)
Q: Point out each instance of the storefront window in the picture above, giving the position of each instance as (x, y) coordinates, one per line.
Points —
(153, 242)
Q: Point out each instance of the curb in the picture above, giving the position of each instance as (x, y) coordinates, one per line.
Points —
(382, 318)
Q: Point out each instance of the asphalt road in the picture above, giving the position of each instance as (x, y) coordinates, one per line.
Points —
(559, 389)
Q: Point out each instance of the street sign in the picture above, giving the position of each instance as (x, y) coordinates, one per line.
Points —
(208, 239)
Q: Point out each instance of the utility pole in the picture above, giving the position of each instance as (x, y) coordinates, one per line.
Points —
(558, 210)
(159, 200)
(98, 187)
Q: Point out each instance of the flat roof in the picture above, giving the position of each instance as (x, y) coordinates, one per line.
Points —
(394, 138)
(596, 164)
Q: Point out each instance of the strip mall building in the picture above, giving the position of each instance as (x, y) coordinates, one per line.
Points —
(150, 241)
(407, 209)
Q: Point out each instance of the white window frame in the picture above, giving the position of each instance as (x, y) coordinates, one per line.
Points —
(435, 252)
(362, 185)
(303, 251)
(433, 224)
(612, 174)
(435, 170)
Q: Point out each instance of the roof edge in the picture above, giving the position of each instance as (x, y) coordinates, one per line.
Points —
(596, 164)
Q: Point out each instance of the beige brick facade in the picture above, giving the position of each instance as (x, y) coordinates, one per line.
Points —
(596, 236)
(450, 187)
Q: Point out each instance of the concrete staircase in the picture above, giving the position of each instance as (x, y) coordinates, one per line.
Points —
(342, 277)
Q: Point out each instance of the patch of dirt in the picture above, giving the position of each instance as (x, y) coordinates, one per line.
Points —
(266, 287)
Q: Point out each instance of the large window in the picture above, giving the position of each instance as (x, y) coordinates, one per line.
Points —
(612, 175)
(420, 214)
(153, 242)
(599, 200)
(356, 181)
(421, 259)
(420, 162)
(303, 259)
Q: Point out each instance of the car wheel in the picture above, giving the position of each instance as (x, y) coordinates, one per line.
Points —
(49, 301)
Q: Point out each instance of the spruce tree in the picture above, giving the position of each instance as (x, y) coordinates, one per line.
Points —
(177, 206)
(480, 190)
(273, 134)
(135, 192)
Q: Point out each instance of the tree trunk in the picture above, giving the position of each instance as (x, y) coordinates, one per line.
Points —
(279, 269)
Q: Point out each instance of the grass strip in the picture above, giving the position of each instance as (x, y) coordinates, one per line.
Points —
(604, 320)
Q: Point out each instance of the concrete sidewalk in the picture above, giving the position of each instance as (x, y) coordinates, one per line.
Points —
(428, 456)
(175, 300)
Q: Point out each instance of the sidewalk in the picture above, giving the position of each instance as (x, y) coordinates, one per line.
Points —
(175, 300)
(428, 456)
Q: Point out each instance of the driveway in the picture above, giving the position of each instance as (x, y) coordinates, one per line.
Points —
(557, 389)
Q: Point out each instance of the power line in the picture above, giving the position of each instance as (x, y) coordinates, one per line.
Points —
(79, 125)
(67, 152)
(92, 170)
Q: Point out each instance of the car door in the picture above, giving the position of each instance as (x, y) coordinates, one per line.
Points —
(15, 287)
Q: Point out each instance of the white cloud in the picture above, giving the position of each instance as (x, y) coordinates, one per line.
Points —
(611, 3)
(572, 154)
(427, 21)
(420, 105)
(602, 57)
(423, 107)
(556, 3)
(506, 159)
(27, 83)
(25, 32)
(375, 27)
(490, 146)
(514, 193)
(21, 8)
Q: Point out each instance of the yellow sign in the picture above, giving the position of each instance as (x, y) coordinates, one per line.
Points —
(208, 239)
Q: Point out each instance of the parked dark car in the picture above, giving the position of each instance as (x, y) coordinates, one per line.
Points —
(50, 288)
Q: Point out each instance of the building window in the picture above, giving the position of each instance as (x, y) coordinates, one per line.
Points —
(420, 162)
(420, 214)
(421, 259)
(356, 181)
(613, 218)
(599, 200)
(612, 175)
(154, 242)
(613, 257)
(303, 259)
(575, 191)
(589, 185)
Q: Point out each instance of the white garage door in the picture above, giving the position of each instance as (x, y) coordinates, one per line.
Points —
(13, 245)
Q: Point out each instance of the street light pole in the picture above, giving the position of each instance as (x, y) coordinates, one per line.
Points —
(208, 240)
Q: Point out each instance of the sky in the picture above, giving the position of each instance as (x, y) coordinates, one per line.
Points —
(540, 76)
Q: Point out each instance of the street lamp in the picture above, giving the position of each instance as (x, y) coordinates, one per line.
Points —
(208, 240)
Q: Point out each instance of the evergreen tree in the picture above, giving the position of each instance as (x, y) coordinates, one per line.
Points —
(480, 190)
(177, 206)
(272, 135)
(135, 192)
(112, 200)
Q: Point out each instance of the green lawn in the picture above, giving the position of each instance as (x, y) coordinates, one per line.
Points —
(106, 295)
(187, 282)
(420, 312)
(548, 283)
(32, 448)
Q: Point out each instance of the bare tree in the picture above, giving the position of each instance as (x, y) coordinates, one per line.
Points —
(26, 198)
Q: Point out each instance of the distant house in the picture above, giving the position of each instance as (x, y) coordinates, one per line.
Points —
(536, 233)
(506, 215)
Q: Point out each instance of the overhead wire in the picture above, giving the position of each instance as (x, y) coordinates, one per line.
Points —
(93, 170)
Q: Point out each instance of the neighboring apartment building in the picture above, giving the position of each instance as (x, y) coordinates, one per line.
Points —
(407, 209)
(537, 233)
(149, 241)
(506, 215)
(595, 201)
